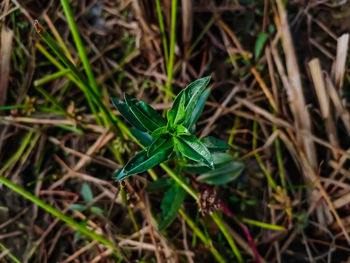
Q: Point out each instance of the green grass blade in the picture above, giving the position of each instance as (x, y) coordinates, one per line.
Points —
(9, 254)
(170, 66)
(93, 235)
(79, 45)
(162, 31)
(262, 224)
(49, 78)
(90, 93)
(202, 237)
(72, 78)
(227, 235)
(17, 155)
(51, 99)
(51, 42)
(11, 107)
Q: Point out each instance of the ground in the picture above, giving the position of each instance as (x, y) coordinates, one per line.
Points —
(278, 96)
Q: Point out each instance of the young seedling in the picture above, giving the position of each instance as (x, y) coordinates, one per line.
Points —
(175, 137)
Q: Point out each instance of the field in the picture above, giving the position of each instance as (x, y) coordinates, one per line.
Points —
(249, 163)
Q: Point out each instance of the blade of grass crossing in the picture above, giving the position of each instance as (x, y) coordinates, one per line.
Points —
(107, 115)
(101, 239)
(51, 99)
(72, 77)
(79, 45)
(57, 36)
(9, 254)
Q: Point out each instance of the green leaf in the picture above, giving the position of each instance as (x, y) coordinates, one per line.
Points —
(171, 203)
(181, 130)
(193, 92)
(219, 159)
(143, 137)
(259, 44)
(125, 111)
(193, 149)
(222, 175)
(119, 174)
(141, 163)
(177, 112)
(145, 114)
(96, 210)
(86, 193)
(198, 110)
(160, 185)
(214, 144)
(161, 131)
(162, 143)
(77, 207)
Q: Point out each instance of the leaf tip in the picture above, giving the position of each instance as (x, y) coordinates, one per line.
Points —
(119, 174)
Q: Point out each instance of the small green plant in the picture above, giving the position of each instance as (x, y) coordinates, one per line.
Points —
(175, 137)
(88, 198)
(89, 207)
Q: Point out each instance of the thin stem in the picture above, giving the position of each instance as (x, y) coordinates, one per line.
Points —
(162, 31)
(227, 235)
(206, 240)
(172, 47)
(258, 158)
(180, 181)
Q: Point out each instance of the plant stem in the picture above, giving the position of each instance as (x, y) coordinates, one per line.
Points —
(180, 181)
(215, 217)
(202, 237)
(227, 235)
(172, 48)
(258, 158)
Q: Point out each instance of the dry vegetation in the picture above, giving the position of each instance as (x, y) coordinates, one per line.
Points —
(279, 96)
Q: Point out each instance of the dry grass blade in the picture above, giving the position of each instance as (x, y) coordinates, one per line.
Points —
(216, 115)
(187, 18)
(339, 66)
(323, 100)
(296, 96)
(5, 55)
(317, 182)
(340, 109)
(342, 201)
